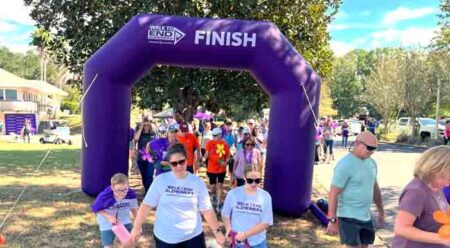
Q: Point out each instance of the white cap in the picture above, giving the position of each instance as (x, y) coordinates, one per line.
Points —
(216, 131)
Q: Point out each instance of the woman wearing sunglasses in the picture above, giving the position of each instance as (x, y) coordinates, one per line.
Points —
(247, 211)
(180, 198)
(248, 155)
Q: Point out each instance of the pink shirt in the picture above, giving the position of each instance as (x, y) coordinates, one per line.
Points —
(241, 159)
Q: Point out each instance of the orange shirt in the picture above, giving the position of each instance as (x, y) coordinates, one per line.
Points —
(217, 150)
(190, 143)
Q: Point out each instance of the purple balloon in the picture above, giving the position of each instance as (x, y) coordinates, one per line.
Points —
(255, 46)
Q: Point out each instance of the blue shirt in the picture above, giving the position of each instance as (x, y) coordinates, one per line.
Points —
(356, 178)
(229, 139)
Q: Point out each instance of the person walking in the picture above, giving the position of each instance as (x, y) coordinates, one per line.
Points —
(414, 224)
(344, 133)
(447, 133)
(247, 211)
(180, 199)
(353, 189)
(142, 137)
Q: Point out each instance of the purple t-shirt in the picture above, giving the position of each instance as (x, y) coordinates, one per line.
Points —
(418, 199)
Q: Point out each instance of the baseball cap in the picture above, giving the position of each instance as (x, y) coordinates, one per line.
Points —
(184, 127)
(245, 130)
(173, 127)
(216, 131)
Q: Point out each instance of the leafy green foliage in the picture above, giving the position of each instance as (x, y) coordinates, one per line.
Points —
(79, 28)
(442, 41)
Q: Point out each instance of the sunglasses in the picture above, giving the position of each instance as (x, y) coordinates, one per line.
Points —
(369, 148)
(251, 180)
(120, 190)
(249, 144)
(179, 162)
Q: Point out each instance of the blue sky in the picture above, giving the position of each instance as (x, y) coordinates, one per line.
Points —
(364, 24)
(383, 23)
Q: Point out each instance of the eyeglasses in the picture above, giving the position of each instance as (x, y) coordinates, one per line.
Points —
(251, 180)
(179, 162)
(369, 148)
(249, 144)
(120, 190)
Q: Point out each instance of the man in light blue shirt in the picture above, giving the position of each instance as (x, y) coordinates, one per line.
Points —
(353, 189)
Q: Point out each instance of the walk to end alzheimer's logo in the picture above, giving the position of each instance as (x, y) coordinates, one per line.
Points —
(164, 34)
(179, 191)
(249, 207)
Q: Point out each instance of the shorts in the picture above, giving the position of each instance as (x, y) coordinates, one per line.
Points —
(107, 236)
(355, 232)
(216, 177)
(195, 242)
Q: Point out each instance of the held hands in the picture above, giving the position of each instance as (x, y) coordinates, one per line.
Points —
(332, 229)
(135, 234)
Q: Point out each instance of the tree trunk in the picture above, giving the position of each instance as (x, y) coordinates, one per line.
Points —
(187, 103)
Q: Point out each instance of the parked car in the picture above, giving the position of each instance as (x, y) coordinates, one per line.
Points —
(426, 126)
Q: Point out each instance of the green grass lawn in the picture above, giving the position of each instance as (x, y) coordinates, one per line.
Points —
(53, 212)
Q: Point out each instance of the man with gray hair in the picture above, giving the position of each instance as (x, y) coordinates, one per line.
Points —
(353, 189)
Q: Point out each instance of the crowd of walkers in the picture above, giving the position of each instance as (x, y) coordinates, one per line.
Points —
(169, 157)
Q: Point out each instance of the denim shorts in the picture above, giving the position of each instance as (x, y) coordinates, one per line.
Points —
(107, 236)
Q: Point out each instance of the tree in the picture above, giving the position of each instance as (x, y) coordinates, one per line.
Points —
(384, 88)
(442, 40)
(417, 90)
(81, 27)
(347, 86)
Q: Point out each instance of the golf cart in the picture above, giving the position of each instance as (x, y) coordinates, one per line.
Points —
(58, 134)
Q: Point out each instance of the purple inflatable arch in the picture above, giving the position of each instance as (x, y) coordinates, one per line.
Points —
(255, 46)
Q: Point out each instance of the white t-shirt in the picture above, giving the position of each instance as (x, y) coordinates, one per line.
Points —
(179, 203)
(122, 209)
(246, 211)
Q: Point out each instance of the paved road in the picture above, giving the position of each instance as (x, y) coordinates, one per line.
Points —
(395, 170)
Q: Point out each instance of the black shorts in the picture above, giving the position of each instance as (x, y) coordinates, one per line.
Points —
(216, 177)
(355, 232)
(196, 242)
